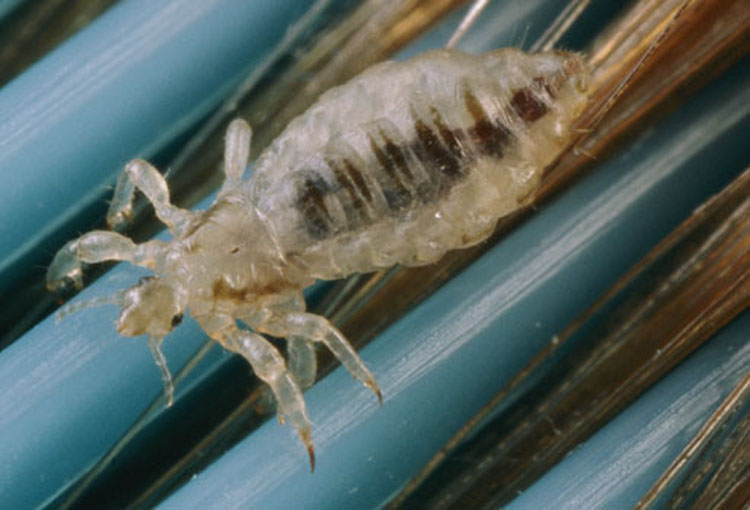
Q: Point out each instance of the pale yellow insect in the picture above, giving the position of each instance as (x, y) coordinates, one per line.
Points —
(399, 165)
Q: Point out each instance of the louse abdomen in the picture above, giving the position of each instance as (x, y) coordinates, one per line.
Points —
(467, 146)
(399, 172)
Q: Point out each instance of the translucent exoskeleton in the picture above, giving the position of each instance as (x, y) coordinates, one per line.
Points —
(403, 163)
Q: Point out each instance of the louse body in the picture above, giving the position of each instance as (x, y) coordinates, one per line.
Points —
(404, 162)
(410, 160)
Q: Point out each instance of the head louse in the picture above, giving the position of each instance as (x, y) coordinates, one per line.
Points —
(364, 191)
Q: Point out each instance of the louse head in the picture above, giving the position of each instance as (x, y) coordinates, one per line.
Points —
(152, 307)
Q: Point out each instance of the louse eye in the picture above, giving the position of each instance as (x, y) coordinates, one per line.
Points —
(176, 320)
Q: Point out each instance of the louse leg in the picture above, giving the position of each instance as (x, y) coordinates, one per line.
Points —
(236, 153)
(319, 329)
(98, 246)
(142, 175)
(268, 364)
(154, 343)
(302, 360)
(70, 308)
(303, 364)
(121, 207)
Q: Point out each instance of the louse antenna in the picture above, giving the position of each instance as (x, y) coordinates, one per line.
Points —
(467, 22)
(154, 344)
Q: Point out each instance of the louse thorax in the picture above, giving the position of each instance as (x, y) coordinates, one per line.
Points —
(230, 260)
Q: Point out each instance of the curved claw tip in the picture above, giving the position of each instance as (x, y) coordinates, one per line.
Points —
(311, 454)
(375, 389)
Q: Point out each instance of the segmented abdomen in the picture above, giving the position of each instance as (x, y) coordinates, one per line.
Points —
(396, 172)
(416, 158)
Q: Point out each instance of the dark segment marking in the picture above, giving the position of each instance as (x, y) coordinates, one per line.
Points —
(223, 291)
(491, 138)
(450, 138)
(435, 155)
(311, 202)
(356, 210)
(396, 155)
(397, 198)
(527, 104)
(356, 176)
(547, 86)
(443, 151)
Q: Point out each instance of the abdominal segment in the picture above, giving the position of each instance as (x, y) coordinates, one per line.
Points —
(397, 173)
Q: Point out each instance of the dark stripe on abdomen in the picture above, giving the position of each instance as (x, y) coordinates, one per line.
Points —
(443, 166)
(311, 202)
(356, 176)
(395, 192)
(489, 137)
(528, 105)
(443, 153)
(354, 208)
